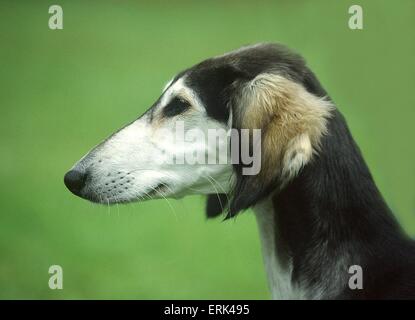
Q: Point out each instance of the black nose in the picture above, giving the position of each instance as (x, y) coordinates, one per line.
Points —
(75, 181)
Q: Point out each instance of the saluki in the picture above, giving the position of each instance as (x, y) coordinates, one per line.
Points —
(319, 212)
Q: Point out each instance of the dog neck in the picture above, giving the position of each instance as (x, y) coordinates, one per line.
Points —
(278, 271)
(327, 219)
(318, 272)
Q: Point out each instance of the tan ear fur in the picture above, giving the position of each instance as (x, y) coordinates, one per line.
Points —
(292, 121)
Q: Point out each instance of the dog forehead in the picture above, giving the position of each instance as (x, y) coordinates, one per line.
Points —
(174, 87)
(175, 96)
(202, 85)
(215, 80)
(210, 81)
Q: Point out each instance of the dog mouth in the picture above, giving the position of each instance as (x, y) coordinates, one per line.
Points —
(159, 190)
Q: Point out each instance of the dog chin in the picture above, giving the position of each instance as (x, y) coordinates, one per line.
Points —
(105, 200)
(158, 191)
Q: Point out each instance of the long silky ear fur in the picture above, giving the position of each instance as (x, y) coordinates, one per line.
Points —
(292, 122)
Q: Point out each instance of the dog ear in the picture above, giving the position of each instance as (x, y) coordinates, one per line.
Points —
(216, 204)
(292, 122)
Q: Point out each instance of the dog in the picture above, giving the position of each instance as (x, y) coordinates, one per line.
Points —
(319, 212)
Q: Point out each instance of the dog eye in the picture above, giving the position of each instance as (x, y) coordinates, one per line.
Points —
(174, 107)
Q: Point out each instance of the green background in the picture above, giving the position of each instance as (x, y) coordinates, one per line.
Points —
(63, 91)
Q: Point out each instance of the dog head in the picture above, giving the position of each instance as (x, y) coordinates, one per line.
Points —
(236, 126)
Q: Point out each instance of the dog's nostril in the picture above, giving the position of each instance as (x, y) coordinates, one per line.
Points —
(75, 181)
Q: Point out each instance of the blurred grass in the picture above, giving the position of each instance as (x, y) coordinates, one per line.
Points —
(61, 92)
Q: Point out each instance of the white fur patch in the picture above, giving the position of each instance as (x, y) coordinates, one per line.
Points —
(279, 276)
(133, 163)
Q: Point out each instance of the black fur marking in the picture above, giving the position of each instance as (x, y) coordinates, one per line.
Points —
(212, 81)
(216, 204)
(333, 211)
(175, 107)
